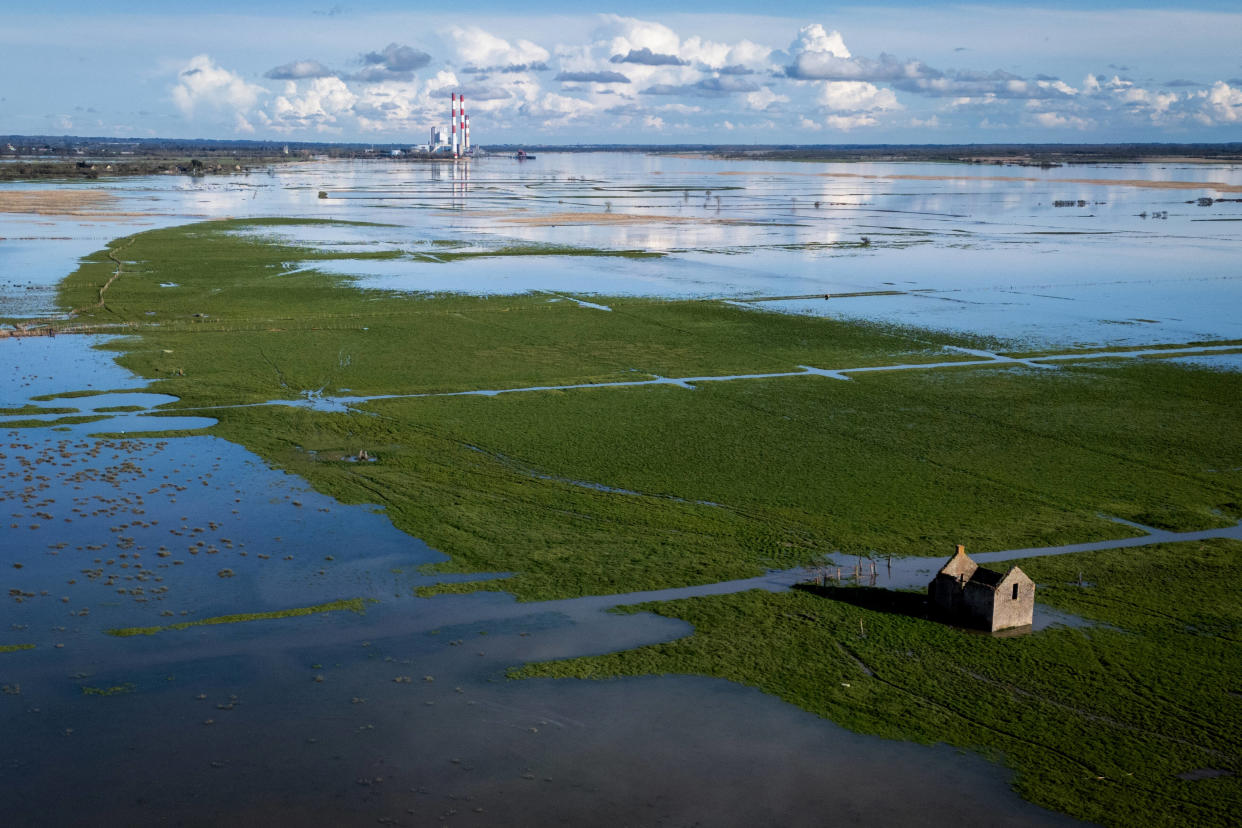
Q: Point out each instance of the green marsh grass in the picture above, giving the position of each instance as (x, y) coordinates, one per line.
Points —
(35, 409)
(730, 478)
(59, 421)
(356, 605)
(70, 395)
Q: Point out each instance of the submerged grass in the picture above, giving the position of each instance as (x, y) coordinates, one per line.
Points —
(357, 605)
(1098, 722)
(13, 648)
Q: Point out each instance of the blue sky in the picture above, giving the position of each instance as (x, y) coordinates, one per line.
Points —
(801, 72)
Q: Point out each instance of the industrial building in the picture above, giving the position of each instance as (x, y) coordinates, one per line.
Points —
(454, 144)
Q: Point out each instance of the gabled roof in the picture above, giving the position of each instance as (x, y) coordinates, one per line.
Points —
(987, 577)
(962, 569)
(1015, 574)
(960, 566)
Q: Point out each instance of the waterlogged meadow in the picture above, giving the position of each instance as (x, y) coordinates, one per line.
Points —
(721, 479)
(226, 319)
(361, 455)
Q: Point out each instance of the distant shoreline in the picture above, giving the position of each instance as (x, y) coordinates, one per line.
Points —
(154, 155)
(28, 169)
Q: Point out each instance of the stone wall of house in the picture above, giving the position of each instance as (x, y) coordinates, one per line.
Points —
(944, 595)
(1014, 612)
(977, 601)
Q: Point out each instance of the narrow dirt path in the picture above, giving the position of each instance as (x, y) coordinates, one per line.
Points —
(46, 327)
(120, 268)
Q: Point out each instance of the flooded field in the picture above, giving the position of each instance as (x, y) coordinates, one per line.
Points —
(1091, 254)
(193, 636)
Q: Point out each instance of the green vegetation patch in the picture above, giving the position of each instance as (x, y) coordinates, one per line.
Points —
(357, 605)
(59, 421)
(13, 648)
(1099, 722)
(34, 409)
(115, 690)
(608, 490)
(69, 395)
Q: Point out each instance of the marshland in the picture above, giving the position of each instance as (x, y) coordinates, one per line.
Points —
(320, 507)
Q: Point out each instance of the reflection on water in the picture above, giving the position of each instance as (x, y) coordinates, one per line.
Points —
(1221, 362)
(38, 366)
(991, 255)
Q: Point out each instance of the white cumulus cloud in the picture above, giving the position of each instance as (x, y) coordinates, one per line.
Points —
(1222, 104)
(847, 122)
(1057, 120)
(611, 75)
(749, 54)
(202, 84)
(478, 47)
(816, 39)
(707, 52)
(856, 96)
(627, 34)
(321, 104)
(763, 98)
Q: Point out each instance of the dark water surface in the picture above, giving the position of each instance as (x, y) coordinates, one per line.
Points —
(401, 713)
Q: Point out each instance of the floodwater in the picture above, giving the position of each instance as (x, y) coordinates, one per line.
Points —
(969, 248)
(402, 715)
(342, 719)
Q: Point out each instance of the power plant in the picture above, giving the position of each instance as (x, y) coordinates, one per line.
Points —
(456, 144)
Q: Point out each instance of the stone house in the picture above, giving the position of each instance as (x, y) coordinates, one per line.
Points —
(967, 594)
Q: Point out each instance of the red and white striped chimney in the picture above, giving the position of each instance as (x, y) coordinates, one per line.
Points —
(461, 117)
(453, 123)
(467, 133)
